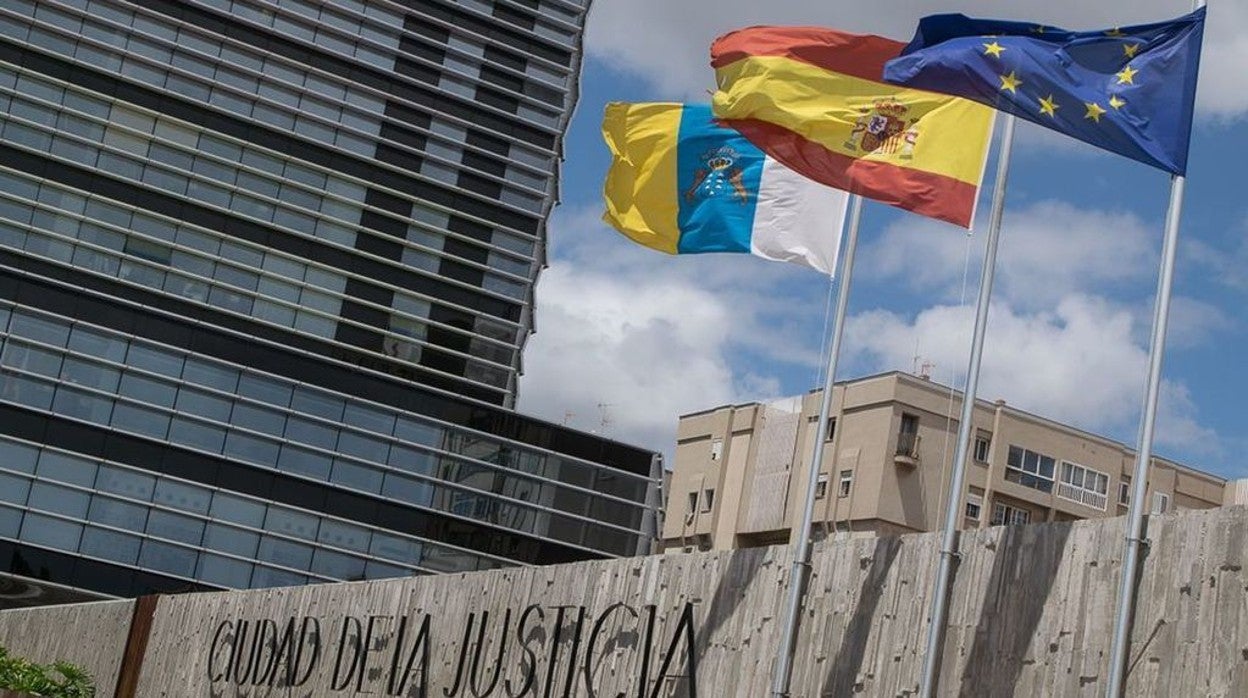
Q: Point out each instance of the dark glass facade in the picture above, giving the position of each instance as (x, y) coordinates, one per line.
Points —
(266, 271)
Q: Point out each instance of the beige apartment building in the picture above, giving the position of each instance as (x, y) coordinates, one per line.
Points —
(740, 471)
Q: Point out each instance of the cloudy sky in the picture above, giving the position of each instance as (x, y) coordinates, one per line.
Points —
(636, 338)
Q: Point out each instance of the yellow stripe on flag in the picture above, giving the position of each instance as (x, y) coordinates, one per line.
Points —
(939, 134)
(641, 188)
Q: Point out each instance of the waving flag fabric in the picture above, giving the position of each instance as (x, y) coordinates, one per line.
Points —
(682, 184)
(1129, 90)
(814, 100)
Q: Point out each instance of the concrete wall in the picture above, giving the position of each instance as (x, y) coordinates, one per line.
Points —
(91, 635)
(1031, 615)
(731, 596)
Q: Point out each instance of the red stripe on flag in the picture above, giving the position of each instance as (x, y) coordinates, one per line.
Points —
(925, 193)
(860, 55)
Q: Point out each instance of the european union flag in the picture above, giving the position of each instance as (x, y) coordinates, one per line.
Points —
(1129, 90)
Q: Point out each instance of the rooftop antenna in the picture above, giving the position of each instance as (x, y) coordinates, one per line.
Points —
(925, 370)
(605, 422)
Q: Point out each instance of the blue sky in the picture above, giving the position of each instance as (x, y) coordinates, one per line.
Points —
(628, 339)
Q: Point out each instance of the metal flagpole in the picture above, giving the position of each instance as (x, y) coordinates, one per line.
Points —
(801, 550)
(1144, 450)
(940, 598)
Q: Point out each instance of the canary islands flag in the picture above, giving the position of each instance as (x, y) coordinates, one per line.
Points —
(682, 184)
(1129, 90)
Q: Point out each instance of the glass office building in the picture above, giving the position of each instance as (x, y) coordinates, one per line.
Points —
(266, 273)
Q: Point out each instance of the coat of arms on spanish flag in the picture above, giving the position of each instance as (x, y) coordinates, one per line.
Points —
(814, 100)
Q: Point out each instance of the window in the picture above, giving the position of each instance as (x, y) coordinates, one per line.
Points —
(1007, 515)
(150, 251)
(821, 487)
(1124, 491)
(693, 503)
(708, 500)
(974, 506)
(717, 449)
(982, 442)
(1029, 469)
(831, 428)
(846, 481)
(908, 436)
(1161, 502)
(1084, 485)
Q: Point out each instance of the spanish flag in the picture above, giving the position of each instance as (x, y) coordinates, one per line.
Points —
(814, 100)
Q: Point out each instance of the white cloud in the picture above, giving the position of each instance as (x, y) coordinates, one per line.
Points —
(1069, 327)
(1048, 250)
(1192, 322)
(667, 42)
(652, 336)
(647, 354)
(1078, 364)
(1229, 266)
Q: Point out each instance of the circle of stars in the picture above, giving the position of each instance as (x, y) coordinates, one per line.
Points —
(1048, 105)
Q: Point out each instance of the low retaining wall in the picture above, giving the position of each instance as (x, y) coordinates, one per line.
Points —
(91, 635)
(1031, 615)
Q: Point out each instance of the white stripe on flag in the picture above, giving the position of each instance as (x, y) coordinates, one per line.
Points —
(797, 219)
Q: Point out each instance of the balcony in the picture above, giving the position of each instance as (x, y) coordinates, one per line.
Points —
(1081, 496)
(907, 449)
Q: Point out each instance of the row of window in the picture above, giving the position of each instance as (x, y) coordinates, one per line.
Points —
(339, 201)
(410, 476)
(305, 123)
(166, 42)
(147, 23)
(216, 171)
(843, 485)
(106, 345)
(517, 503)
(157, 555)
(1003, 514)
(367, 169)
(540, 12)
(359, 19)
(244, 278)
(305, 439)
(128, 505)
(1006, 514)
(266, 286)
(313, 314)
(1030, 469)
(1084, 485)
(1076, 482)
(707, 499)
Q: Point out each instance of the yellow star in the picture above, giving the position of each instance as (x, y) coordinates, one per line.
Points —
(1116, 102)
(1127, 76)
(1129, 50)
(994, 49)
(1039, 29)
(1094, 111)
(1048, 106)
(1010, 82)
(1114, 32)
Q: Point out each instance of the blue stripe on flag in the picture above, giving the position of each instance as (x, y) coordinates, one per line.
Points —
(718, 172)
